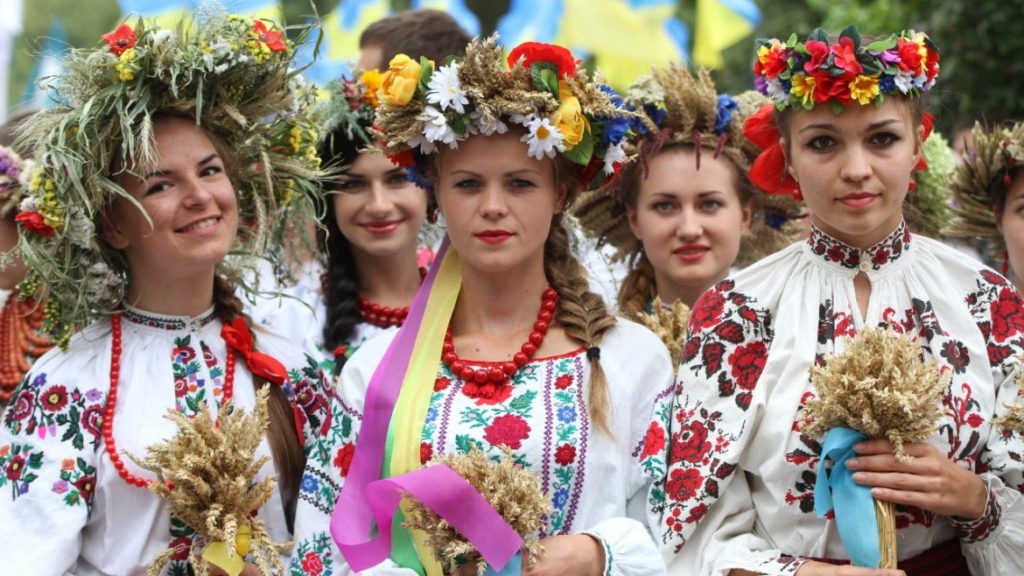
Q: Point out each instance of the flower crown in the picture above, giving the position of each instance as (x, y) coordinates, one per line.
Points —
(229, 73)
(983, 178)
(10, 176)
(351, 105)
(675, 107)
(538, 87)
(803, 74)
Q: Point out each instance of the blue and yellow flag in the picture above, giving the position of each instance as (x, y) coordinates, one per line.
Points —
(719, 25)
(339, 46)
(169, 12)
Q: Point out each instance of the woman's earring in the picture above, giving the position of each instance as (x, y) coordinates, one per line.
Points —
(432, 214)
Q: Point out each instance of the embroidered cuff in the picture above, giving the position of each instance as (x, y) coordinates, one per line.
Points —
(608, 556)
(784, 564)
(970, 531)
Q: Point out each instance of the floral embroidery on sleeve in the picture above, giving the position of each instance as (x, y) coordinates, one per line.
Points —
(722, 362)
(47, 410)
(19, 463)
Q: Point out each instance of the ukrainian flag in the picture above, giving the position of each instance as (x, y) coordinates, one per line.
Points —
(339, 45)
(720, 24)
(169, 13)
(625, 36)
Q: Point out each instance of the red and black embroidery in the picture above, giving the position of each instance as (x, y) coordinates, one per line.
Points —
(890, 249)
(977, 530)
(999, 313)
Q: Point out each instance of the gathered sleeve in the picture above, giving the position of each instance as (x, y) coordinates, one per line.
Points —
(48, 452)
(994, 542)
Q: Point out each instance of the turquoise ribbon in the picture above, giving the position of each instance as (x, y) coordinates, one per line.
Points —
(514, 567)
(853, 504)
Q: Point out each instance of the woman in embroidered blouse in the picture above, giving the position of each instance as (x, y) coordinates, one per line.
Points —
(72, 502)
(738, 494)
(571, 402)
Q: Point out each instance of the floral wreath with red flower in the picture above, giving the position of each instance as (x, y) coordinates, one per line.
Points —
(816, 71)
(538, 86)
(232, 74)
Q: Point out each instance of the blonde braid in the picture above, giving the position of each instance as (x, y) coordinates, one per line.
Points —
(581, 313)
(638, 289)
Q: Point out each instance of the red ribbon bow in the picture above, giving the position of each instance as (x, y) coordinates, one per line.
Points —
(769, 169)
(238, 337)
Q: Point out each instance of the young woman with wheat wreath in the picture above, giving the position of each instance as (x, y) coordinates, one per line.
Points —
(738, 494)
(532, 362)
(126, 229)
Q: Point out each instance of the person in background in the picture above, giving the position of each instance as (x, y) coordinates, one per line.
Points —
(428, 33)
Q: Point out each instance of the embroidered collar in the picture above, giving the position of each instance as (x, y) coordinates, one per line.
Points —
(889, 250)
(165, 322)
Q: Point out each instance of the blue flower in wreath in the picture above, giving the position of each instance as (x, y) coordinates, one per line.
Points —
(309, 484)
(726, 107)
(567, 414)
(615, 129)
(560, 498)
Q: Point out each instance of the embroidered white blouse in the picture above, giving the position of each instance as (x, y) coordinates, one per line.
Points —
(739, 488)
(595, 483)
(63, 507)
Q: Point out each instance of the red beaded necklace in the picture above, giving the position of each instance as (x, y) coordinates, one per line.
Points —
(108, 411)
(495, 375)
(20, 341)
(384, 316)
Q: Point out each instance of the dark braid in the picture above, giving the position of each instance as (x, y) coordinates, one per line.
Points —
(340, 281)
(581, 313)
(289, 457)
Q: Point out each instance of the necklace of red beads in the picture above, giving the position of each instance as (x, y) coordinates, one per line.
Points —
(384, 316)
(108, 411)
(20, 341)
(498, 376)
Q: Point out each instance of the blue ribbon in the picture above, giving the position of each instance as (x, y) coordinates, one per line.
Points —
(853, 504)
(513, 567)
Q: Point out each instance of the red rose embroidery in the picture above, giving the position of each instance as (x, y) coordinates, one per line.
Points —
(565, 455)
(54, 399)
(92, 419)
(15, 467)
(974, 420)
(683, 484)
(343, 459)
(747, 363)
(654, 440)
(563, 382)
(488, 393)
(441, 384)
(957, 355)
(691, 444)
(312, 564)
(696, 514)
(707, 311)
(509, 430)
(182, 546)
(426, 452)
(85, 486)
(1007, 315)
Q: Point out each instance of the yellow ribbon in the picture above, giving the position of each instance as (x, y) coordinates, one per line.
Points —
(216, 553)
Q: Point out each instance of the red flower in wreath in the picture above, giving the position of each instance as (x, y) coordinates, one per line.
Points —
(708, 310)
(532, 52)
(509, 430)
(691, 444)
(426, 452)
(1007, 315)
(828, 87)
(312, 564)
(34, 222)
(818, 52)
(565, 454)
(683, 484)
(845, 56)
(910, 56)
(654, 440)
(343, 459)
(120, 39)
(403, 159)
(747, 363)
(54, 399)
(272, 38)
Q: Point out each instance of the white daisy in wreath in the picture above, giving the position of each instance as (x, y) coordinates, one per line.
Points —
(436, 128)
(445, 90)
(543, 137)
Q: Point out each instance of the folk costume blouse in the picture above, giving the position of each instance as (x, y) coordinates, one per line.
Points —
(594, 482)
(63, 507)
(741, 473)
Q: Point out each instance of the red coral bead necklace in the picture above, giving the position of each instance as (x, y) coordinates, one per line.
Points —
(384, 316)
(108, 410)
(499, 375)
